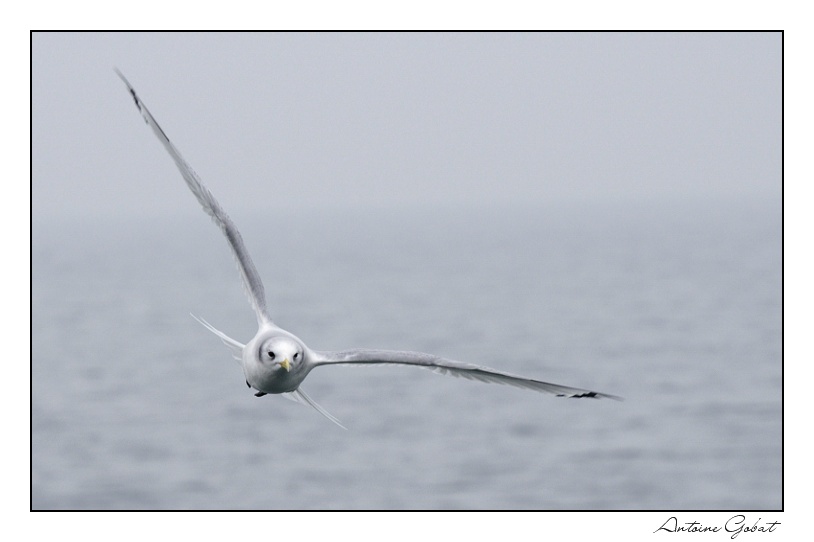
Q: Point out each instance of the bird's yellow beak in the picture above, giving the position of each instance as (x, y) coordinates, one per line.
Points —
(285, 364)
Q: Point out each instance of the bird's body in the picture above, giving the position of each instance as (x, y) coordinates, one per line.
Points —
(275, 361)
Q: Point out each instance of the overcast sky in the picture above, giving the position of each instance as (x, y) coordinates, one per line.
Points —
(392, 119)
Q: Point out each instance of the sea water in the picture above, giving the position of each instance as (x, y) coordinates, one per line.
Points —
(675, 307)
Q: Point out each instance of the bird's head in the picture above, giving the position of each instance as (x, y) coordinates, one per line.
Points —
(281, 352)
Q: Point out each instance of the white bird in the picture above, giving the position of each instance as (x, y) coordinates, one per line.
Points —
(276, 361)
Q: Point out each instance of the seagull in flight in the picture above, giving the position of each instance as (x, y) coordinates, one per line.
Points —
(276, 361)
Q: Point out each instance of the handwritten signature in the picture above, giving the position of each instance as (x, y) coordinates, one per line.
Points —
(735, 525)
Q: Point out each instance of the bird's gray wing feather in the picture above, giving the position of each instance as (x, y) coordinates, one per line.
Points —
(449, 367)
(251, 280)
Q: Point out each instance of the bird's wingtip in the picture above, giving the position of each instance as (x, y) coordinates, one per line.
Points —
(121, 75)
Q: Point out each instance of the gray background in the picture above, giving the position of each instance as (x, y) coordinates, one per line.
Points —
(597, 210)
(298, 120)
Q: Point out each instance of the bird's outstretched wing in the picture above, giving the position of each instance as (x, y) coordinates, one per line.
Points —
(251, 280)
(450, 367)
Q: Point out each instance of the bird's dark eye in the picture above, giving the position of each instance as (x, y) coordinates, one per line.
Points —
(296, 355)
(271, 355)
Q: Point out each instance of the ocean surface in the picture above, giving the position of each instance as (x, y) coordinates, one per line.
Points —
(675, 307)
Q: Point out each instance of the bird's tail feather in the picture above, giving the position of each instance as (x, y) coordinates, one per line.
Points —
(236, 347)
(301, 397)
